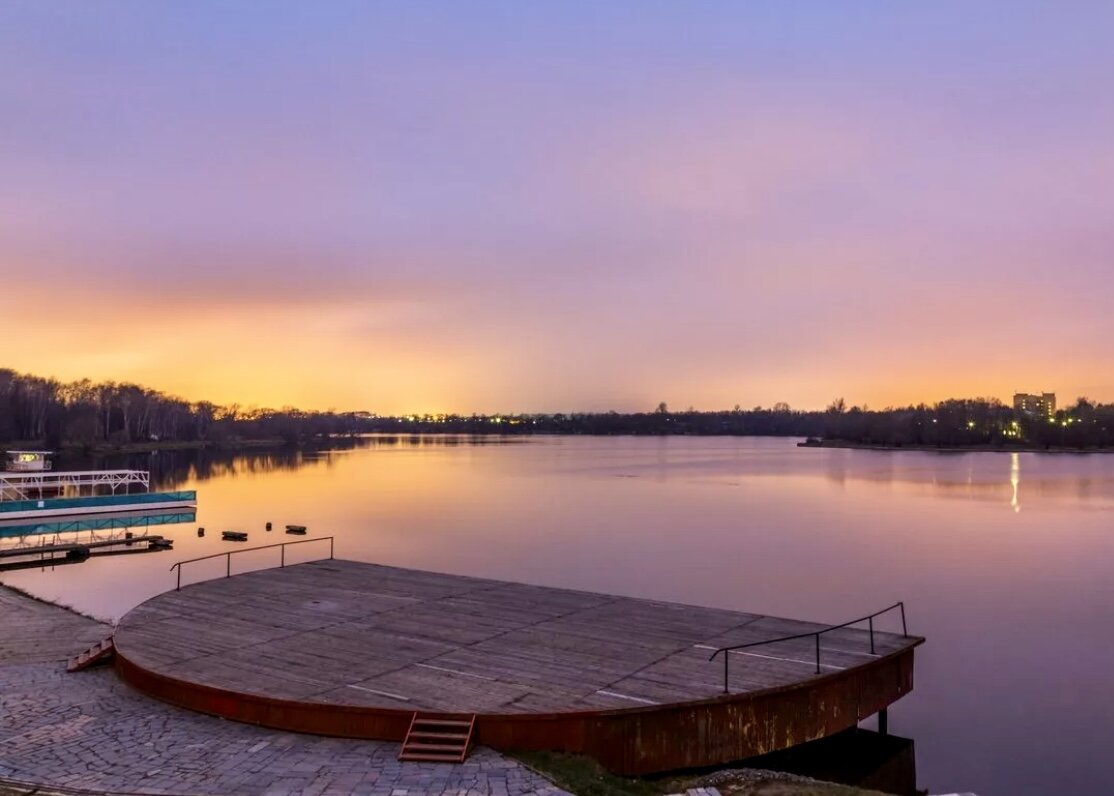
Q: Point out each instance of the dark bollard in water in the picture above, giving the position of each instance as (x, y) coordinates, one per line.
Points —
(268, 526)
(200, 531)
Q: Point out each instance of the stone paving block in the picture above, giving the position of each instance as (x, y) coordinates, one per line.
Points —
(89, 730)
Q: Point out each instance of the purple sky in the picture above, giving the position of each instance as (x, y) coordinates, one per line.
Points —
(528, 206)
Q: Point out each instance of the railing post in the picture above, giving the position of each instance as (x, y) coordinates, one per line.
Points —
(818, 653)
(904, 630)
(872, 635)
(726, 655)
(228, 558)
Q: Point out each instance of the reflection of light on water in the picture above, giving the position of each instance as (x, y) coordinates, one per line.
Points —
(1015, 479)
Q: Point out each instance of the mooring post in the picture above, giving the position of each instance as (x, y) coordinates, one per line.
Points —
(228, 565)
(884, 721)
(725, 656)
(282, 563)
(818, 653)
(872, 635)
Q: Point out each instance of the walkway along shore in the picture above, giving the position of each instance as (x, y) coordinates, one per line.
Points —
(89, 731)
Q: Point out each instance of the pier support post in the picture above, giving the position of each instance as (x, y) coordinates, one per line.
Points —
(884, 721)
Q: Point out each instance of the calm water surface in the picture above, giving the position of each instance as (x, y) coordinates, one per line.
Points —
(1004, 560)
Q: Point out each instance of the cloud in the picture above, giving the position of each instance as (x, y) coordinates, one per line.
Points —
(416, 214)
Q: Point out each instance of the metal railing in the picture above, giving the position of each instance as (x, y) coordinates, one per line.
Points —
(228, 556)
(815, 633)
(31, 485)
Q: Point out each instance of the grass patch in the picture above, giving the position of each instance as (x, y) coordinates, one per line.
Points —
(583, 776)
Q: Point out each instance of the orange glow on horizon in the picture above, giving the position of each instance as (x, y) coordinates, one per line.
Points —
(304, 232)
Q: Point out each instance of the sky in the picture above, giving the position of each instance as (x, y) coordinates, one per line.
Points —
(555, 206)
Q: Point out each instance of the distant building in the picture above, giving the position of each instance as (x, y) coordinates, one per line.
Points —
(1033, 404)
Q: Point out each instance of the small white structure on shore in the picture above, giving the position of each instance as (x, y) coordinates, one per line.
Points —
(28, 461)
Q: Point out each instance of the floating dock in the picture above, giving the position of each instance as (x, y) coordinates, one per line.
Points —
(45, 508)
(57, 553)
(34, 494)
(356, 650)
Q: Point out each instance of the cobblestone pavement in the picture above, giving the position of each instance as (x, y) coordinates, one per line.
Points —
(90, 731)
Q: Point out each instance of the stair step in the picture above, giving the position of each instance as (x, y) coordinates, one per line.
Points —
(443, 723)
(101, 651)
(415, 757)
(413, 746)
(431, 738)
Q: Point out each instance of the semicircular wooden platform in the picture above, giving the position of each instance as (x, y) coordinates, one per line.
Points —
(354, 649)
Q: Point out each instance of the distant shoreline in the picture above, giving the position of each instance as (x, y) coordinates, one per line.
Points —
(867, 446)
(107, 449)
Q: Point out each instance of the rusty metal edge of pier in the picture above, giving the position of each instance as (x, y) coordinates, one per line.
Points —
(630, 741)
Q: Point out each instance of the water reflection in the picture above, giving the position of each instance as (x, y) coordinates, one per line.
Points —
(972, 476)
(1015, 480)
(75, 540)
(170, 469)
(76, 556)
(857, 757)
(1013, 603)
(1086, 479)
(25, 532)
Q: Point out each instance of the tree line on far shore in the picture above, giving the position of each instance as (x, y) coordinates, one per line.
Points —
(84, 413)
(955, 423)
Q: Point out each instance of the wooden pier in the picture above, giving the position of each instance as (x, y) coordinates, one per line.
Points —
(353, 649)
(56, 553)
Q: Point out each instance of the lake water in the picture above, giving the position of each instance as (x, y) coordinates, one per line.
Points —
(1005, 561)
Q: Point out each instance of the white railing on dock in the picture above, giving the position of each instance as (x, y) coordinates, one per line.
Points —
(26, 486)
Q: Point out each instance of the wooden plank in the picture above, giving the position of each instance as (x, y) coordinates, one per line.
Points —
(342, 632)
